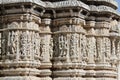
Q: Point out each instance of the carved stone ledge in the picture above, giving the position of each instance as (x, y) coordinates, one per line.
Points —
(68, 3)
(21, 78)
(70, 78)
(104, 66)
(46, 22)
(45, 65)
(20, 71)
(90, 66)
(20, 64)
(20, 18)
(103, 19)
(69, 65)
(70, 32)
(45, 73)
(38, 2)
(103, 9)
(105, 73)
(101, 35)
(90, 24)
(111, 2)
(68, 21)
(69, 72)
(102, 25)
(20, 29)
(90, 73)
(114, 35)
(71, 14)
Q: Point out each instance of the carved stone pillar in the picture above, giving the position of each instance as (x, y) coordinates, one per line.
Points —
(90, 50)
(69, 49)
(114, 58)
(118, 56)
(118, 50)
(20, 52)
(103, 68)
(46, 49)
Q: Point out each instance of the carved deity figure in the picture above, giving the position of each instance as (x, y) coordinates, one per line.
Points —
(42, 47)
(83, 47)
(55, 46)
(37, 44)
(4, 43)
(63, 45)
(23, 43)
(74, 47)
(99, 55)
(91, 49)
(13, 42)
(51, 48)
(29, 42)
(107, 49)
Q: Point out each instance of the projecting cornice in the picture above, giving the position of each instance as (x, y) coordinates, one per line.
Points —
(61, 5)
(38, 2)
(69, 3)
(103, 9)
(110, 2)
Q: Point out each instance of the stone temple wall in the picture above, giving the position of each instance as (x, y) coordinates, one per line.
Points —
(59, 40)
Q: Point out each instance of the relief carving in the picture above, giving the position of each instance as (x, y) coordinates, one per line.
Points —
(107, 48)
(37, 45)
(63, 45)
(4, 44)
(51, 48)
(13, 42)
(98, 56)
(55, 45)
(13, 25)
(84, 48)
(74, 47)
(91, 49)
(23, 45)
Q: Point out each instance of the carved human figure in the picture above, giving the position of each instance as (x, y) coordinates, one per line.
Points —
(42, 47)
(99, 55)
(13, 42)
(55, 46)
(37, 45)
(62, 46)
(29, 43)
(51, 48)
(74, 46)
(4, 45)
(84, 47)
(23, 44)
(91, 49)
(107, 49)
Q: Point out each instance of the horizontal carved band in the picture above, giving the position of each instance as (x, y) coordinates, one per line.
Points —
(20, 18)
(72, 21)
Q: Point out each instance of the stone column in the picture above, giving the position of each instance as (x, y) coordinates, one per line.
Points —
(90, 49)
(103, 68)
(46, 49)
(114, 58)
(118, 50)
(20, 47)
(69, 49)
(118, 56)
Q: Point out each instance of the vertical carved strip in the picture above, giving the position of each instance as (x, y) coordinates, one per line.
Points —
(46, 49)
(0, 46)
